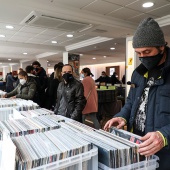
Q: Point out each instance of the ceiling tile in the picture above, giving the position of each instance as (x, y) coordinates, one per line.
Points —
(7, 32)
(121, 2)
(102, 7)
(74, 3)
(32, 29)
(53, 32)
(24, 34)
(124, 13)
(160, 12)
(139, 18)
(138, 5)
(44, 37)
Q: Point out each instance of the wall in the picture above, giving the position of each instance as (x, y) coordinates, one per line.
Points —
(98, 68)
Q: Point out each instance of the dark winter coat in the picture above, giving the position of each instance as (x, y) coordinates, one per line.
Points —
(158, 107)
(75, 97)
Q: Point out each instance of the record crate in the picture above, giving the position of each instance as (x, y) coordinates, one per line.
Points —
(84, 161)
(151, 164)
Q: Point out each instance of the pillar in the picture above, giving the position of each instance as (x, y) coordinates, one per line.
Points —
(132, 61)
(65, 57)
(6, 70)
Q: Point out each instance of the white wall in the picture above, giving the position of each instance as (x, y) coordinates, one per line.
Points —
(98, 68)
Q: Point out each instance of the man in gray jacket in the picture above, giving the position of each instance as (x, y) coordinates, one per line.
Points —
(70, 96)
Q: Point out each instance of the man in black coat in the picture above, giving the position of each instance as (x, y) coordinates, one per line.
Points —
(70, 96)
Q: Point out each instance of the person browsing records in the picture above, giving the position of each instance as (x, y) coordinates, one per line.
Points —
(147, 108)
(25, 89)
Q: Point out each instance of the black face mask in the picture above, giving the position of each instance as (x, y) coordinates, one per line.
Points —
(151, 61)
(36, 69)
(67, 77)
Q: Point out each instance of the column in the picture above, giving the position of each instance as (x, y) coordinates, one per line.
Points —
(14, 67)
(6, 70)
(65, 57)
(131, 61)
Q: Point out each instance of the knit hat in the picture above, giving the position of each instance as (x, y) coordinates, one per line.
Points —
(148, 34)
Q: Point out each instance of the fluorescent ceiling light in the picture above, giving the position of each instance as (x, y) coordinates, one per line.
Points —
(9, 27)
(2, 36)
(104, 56)
(81, 54)
(47, 61)
(25, 53)
(54, 42)
(148, 4)
(69, 35)
(112, 48)
(9, 59)
(94, 58)
(86, 43)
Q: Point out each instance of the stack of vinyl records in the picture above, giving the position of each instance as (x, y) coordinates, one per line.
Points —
(19, 104)
(39, 149)
(6, 113)
(36, 112)
(114, 151)
(21, 127)
(4, 102)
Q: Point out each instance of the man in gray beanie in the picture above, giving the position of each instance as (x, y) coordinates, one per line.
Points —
(147, 109)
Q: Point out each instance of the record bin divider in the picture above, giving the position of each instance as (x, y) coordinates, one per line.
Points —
(78, 160)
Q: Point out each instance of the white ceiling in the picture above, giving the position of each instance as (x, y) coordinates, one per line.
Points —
(85, 19)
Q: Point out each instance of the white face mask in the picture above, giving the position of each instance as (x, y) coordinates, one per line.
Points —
(82, 75)
(22, 81)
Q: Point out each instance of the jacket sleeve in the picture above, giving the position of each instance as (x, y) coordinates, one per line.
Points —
(31, 92)
(98, 80)
(13, 93)
(58, 98)
(80, 102)
(126, 110)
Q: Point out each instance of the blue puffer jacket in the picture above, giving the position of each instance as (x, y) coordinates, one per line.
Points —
(158, 107)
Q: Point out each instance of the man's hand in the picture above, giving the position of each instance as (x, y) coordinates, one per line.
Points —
(153, 142)
(117, 121)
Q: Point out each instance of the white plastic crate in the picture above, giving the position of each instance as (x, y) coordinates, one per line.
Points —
(151, 164)
(84, 161)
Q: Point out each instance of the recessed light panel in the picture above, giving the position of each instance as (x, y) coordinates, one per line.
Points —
(9, 27)
(112, 48)
(148, 4)
(9, 59)
(25, 53)
(54, 42)
(2, 36)
(69, 35)
(94, 58)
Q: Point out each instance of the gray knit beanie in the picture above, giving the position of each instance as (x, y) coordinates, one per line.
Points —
(148, 34)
